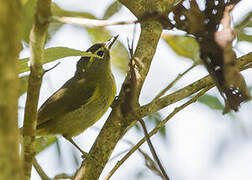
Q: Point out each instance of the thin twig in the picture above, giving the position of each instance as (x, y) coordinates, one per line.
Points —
(46, 70)
(174, 81)
(43, 175)
(131, 96)
(248, 66)
(156, 129)
(90, 22)
(153, 152)
(39, 170)
(62, 176)
(119, 154)
(131, 45)
(148, 161)
(187, 91)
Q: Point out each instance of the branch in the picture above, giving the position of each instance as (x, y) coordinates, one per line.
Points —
(156, 129)
(37, 41)
(161, 103)
(39, 170)
(43, 175)
(86, 22)
(10, 38)
(148, 161)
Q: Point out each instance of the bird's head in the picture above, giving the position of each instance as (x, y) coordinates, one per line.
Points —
(88, 65)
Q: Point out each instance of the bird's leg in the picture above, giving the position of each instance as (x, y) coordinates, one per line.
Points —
(84, 154)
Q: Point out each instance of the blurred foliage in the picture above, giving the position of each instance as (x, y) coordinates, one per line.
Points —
(42, 143)
(99, 34)
(119, 52)
(76, 158)
(150, 163)
(52, 29)
(140, 174)
(57, 11)
(243, 36)
(28, 16)
(182, 45)
(54, 53)
(113, 8)
(185, 46)
(211, 101)
(155, 119)
(244, 29)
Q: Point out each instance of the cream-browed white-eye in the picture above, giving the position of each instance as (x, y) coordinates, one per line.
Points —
(83, 99)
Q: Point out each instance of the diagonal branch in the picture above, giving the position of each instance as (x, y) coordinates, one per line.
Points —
(156, 129)
(37, 42)
(152, 149)
(159, 104)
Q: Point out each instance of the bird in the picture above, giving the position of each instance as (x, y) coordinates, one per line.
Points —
(83, 99)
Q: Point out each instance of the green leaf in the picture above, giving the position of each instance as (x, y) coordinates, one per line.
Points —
(211, 101)
(183, 45)
(57, 11)
(156, 118)
(42, 143)
(119, 53)
(28, 17)
(242, 36)
(243, 27)
(137, 126)
(54, 53)
(112, 9)
(52, 29)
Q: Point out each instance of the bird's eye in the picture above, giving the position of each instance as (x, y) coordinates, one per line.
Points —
(100, 53)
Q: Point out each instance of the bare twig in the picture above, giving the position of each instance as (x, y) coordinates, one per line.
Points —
(47, 70)
(62, 176)
(39, 170)
(131, 46)
(43, 175)
(153, 152)
(187, 91)
(174, 81)
(85, 22)
(148, 161)
(156, 129)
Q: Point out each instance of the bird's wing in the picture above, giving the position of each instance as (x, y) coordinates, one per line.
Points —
(72, 95)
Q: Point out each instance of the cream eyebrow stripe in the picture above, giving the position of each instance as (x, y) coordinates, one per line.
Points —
(92, 58)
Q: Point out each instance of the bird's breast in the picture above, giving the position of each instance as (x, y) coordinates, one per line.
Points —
(93, 110)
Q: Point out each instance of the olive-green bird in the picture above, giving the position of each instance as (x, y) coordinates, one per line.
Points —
(83, 99)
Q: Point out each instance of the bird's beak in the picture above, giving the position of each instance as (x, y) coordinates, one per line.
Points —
(110, 42)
